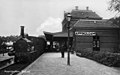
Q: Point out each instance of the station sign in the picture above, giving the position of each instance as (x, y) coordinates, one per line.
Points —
(85, 33)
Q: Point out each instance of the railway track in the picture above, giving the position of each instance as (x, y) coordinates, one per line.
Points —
(13, 69)
(8, 67)
(6, 63)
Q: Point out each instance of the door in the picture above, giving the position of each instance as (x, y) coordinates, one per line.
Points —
(96, 43)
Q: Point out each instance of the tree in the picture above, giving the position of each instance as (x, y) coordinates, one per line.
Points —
(115, 21)
(115, 5)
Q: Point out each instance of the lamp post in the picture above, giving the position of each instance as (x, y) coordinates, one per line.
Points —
(68, 47)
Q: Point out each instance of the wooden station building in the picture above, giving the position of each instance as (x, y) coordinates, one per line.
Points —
(88, 31)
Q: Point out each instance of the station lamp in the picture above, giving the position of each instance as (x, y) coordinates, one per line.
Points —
(68, 44)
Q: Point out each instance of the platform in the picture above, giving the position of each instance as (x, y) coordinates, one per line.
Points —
(5, 57)
(53, 64)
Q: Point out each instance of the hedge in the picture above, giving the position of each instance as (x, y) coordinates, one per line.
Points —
(106, 58)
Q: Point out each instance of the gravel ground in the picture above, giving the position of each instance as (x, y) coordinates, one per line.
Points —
(53, 64)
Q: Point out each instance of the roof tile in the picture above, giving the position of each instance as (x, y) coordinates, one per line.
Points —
(95, 23)
(85, 14)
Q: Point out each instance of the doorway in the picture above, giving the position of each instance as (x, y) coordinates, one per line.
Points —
(96, 43)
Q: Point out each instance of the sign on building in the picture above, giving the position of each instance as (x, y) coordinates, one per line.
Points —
(85, 33)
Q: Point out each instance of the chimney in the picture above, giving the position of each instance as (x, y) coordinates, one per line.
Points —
(76, 7)
(87, 8)
(22, 31)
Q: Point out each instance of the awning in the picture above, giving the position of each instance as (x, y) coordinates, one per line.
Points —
(51, 36)
(63, 34)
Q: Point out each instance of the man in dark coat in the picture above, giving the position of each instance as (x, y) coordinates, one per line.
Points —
(63, 47)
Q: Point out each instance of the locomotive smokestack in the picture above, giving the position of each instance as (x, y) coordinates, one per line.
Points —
(87, 8)
(22, 31)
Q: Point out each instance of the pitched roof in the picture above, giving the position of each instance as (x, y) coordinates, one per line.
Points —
(95, 24)
(84, 14)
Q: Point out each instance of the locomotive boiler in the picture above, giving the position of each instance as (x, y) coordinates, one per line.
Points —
(28, 48)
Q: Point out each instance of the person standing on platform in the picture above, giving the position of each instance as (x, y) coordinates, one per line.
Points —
(62, 50)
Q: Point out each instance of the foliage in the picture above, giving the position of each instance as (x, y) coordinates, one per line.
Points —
(106, 58)
(114, 5)
(10, 38)
(115, 21)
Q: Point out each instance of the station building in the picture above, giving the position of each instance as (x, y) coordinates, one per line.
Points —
(100, 35)
(88, 31)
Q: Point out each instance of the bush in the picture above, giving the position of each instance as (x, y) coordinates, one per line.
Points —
(106, 58)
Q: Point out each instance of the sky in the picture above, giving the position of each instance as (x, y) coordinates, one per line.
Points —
(43, 15)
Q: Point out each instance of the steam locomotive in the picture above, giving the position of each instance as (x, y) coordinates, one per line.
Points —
(28, 48)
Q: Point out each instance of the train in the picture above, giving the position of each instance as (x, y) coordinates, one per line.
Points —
(27, 48)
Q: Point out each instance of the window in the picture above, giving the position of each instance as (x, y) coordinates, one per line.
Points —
(96, 43)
